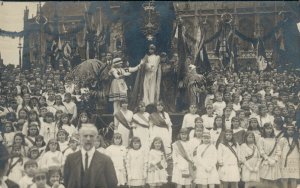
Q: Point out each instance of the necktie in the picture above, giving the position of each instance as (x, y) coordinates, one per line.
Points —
(86, 161)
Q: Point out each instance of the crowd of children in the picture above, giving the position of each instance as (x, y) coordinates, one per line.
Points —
(246, 134)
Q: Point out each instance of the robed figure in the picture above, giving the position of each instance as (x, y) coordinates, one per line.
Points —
(147, 83)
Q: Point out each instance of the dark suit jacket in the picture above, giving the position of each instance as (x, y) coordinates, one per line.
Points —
(102, 170)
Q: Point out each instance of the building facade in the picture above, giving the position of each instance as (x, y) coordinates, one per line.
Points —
(74, 25)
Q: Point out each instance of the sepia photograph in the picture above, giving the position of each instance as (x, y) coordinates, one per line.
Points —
(150, 94)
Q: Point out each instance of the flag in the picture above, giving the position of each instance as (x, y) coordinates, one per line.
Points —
(182, 52)
(261, 56)
(202, 62)
(200, 36)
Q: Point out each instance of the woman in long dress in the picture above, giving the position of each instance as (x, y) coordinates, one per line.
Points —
(140, 123)
(161, 126)
(152, 76)
(123, 122)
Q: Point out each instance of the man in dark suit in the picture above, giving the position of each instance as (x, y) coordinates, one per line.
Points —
(4, 156)
(88, 168)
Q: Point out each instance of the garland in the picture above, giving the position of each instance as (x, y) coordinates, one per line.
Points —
(12, 34)
(15, 34)
(263, 38)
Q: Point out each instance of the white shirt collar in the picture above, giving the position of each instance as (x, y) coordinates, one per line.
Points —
(90, 152)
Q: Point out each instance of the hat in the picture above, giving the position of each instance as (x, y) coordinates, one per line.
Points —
(152, 46)
(30, 162)
(4, 155)
(117, 61)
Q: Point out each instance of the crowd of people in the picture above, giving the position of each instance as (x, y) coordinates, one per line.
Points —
(245, 133)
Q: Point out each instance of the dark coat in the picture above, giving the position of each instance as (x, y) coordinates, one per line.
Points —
(102, 172)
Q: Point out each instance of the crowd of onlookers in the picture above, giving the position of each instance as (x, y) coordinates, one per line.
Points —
(246, 133)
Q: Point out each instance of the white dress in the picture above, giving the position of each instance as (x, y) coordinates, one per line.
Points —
(16, 172)
(25, 181)
(189, 120)
(218, 107)
(48, 131)
(151, 80)
(140, 131)
(208, 121)
(268, 172)
(52, 159)
(252, 162)
(292, 167)
(157, 165)
(70, 129)
(206, 159)
(136, 165)
(180, 165)
(164, 133)
(118, 156)
(229, 172)
(122, 129)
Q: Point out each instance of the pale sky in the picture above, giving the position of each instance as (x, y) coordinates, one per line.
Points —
(11, 19)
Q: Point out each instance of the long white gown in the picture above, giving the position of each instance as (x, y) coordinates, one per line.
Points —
(122, 129)
(142, 132)
(151, 84)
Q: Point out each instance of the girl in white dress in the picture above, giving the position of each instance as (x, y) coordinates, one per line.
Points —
(9, 133)
(161, 126)
(15, 164)
(196, 140)
(53, 156)
(157, 164)
(198, 123)
(66, 124)
(217, 132)
(183, 167)
(48, 128)
(33, 131)
(123, 122)
(228, 161)
(117, 153)
(255, 128)
(250, 157)
(140, 123)
(206, 161)
(189, 118)
(136, 164)
(63, 141)
(290, 155)
(269, 168)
